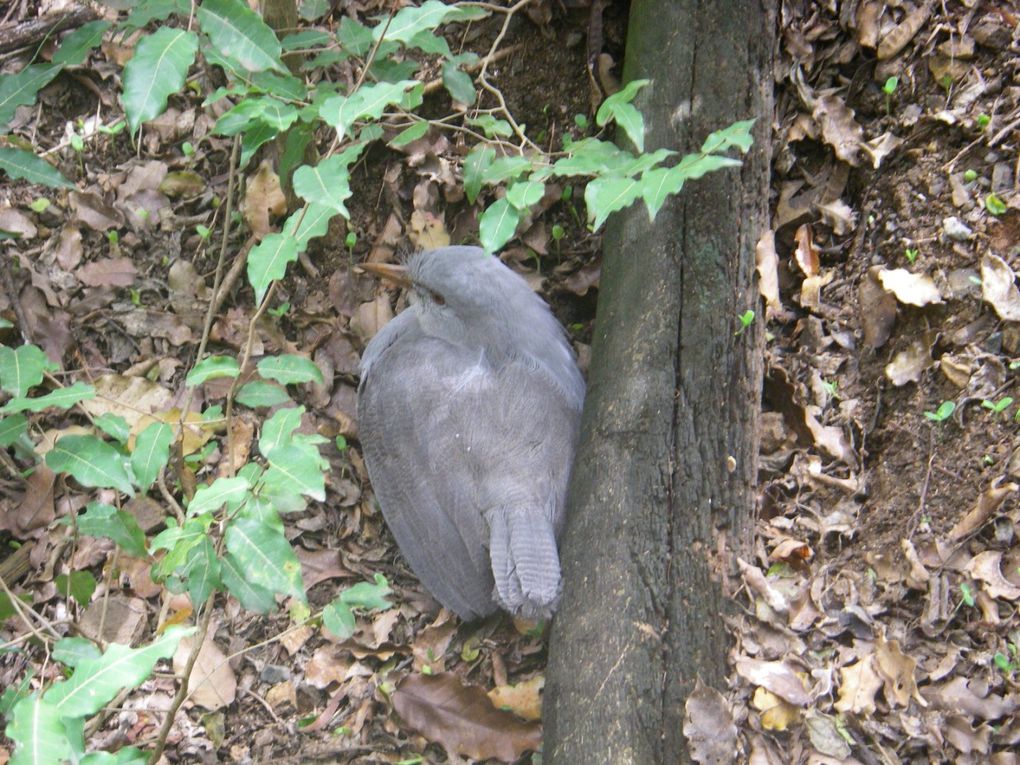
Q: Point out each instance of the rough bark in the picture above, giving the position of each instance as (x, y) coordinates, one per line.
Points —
(662, 491)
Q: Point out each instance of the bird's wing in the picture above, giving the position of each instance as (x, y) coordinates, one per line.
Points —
(447, 441)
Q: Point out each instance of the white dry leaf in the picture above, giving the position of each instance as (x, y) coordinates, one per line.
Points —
(839, 216)
(987, 567)
(910, 288)
(708, 726)
(767, 264)
(858, 686)
(839, 128)
(998, 287)
(880, 147)
(775, 676)
(829, 438)
(213, 684)
(908, 365)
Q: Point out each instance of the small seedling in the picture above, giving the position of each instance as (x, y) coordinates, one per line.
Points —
(350, 240)
(970, 176)
(889, 88)
(136, 297)
(943, 413)
(1014, 365)
(40, 204)
(187, 148)
(114, 128)
(831, 387)
(203, 231)
(341, 444)
(967, 593)
(746, 320)
(280, 310)
(557, 234)
(998, 407)
(77, 142)
(911, 254)
(112, 237)
(1004, 663)
(994, 204)
(581, 120)
(983, 121)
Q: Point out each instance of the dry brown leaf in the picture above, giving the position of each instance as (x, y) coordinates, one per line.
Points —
(880, 147)
(94, 212)
(838, 215)
(263, 199)
(128, 397)
(776, 714)
(839, 128)
(212, 683)
(775, 676)
(998, 287)
(867, 23)
(910, 288)
(428, 231)
(34, 510)
(825, 736)
(901, 35)
(108, 272)
(877, 309)
(372, 316)
(963, 695)
(523, 699)
(909, 364)
(708, 726)
(811, 290)
(858, 685)
(767, 263)
(69, 249)
(123, 619)
(16, 222)
(462, 719)
(987, 504)
(987, 567)
(897, 672)
(805, 254)
(584, 278)
(430, 645)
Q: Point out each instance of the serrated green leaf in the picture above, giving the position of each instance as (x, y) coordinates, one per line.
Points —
(155, 72)
(240, 34)
(296, 469)
(369, 595)
(128, 755)
(37, 728)
(694, 166)
(411, 21)
(75, 48)
(151, 453)
(23, 165)
(497, 225)
(62, 398)
(220, 492)
(268, 262)
(90, 462)
(265, 557)
(20, 89)
(524, 194)
(658, 184)
(338, 618)
(102, 520)
(354, 37)
(277, 430)
(290, 369)
(368, 102)
(259, 394)
(95, 682)
(475, 166)
(252, 596)
(326, 184)
(212, 368)
(12, 428)
(604, 196)
(307, 39)
(22, 368)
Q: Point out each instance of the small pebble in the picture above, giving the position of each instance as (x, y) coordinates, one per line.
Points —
(956, 229)
(273, 674)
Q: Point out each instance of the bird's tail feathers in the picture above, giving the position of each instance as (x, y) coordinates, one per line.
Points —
(525, 562)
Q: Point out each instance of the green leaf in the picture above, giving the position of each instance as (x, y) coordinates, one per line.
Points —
(310, 222)
(618, 108)
(296, 469)
(604, 196)
(62, 398)
(222, 491)
(738, 134)
(475, 165)
(290, 369)
(212, 368)
(90, 462)
(156, 71)
(201, 571)
(307, 39)
(252, 596)
(259, 393)
(128, 755)
(339, 619)
(411, 134)
(995, 205)
(694, 166)
(277, 430)
(95, 682)
(79, 585)
(240, 34)
(506, 168)
(115, 426)
(497, 225)
(20, 89)
(338, 616)
(326, 184)
(12, 428)
(266, 558)
(151, 453)
(491, 126)
(457, 82)
(410, 21)
(178, 541)
(71, 651)
(525, 194)
(659, 183)
(75, 48)
(368, 102)
(155, 10)
(354, 37)
(23, 368)
(24, 165)
(102, 520)
(268, 262)
(37, 728)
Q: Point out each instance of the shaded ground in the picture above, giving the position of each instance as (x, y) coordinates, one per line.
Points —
(881, 622)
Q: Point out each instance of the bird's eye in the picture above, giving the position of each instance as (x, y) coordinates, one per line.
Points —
(437, 298)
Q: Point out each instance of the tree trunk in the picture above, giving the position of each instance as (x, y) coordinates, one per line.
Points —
(662, 493)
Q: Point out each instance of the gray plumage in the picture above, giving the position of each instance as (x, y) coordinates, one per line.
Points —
(468, 413)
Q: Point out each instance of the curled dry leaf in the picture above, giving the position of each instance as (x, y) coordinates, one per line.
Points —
(897, 672)
(857, 688)
(428, 230)
(838, 215)
(462, 719)
(825, 736)
(775, 676)
(108, 272)
(900, 36)
(998, 287)
(776, 714)
(263, 199)
(877, 309)
(987, 568)
(839, 128)
(708, 726)
(806, 255)
(987, 504)
(910, 288)
(212, 684)
(523, 699)
(909, 364)
(767, 263)
(372, 316)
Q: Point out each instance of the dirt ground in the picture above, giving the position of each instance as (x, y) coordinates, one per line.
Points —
(880, 618)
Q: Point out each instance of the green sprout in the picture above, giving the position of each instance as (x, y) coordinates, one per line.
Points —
(943, 413)
(998, 407)
(967, 593)
(187, 148)
(970, 176)
(40, 204)
(983, 120)
(911, 253)
(203, 231)
(280, 310)
(350, 240)
(113, 128)
(889, 88)
(112, 236)
(746, 320)
(341, 444)
(831, 387)
(994, 204)
(581, 120)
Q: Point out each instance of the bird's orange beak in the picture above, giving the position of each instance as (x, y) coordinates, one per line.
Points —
(388, 271)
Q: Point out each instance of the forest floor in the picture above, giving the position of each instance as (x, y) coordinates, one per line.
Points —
(880, 610)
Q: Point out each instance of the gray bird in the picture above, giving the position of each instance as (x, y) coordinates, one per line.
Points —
(468, 412)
